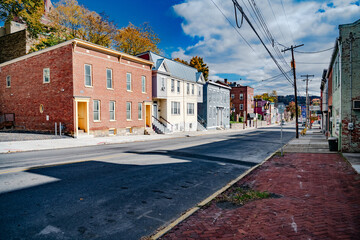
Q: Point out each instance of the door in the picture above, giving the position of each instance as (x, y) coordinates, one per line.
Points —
(82, 116)
(148, 115)
(155, 110)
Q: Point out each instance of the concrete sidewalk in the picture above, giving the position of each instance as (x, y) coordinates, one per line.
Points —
(68, 142)
(315, 194)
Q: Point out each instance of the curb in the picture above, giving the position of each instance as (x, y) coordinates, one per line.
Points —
(192, 210)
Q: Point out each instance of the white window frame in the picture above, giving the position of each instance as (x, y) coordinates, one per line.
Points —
(175, 108)
(128, 82)
(241, 97)
(241, 107)
(8, 81)
(143, 84)
(90, 76)
(187, 88)
(128, 111)
(140, 111)
(112, 110)
(111, 79)
(190, 108)
(96, 110)
(192, 89)
(46, 74)
(178, 87)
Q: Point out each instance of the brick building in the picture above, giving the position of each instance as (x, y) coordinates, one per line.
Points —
(343, 78)
(242, 100)
(86, 87)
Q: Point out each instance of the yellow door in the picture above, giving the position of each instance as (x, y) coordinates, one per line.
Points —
(82, 116)
(148, 115)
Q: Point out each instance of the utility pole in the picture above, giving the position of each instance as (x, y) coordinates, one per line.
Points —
(295, 90)
(308, 116)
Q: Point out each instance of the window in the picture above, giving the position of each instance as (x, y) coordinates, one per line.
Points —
(178, 86)
(109, 78)
(232, 96)
(192, 89)
(190, 109)
(128, 110)
(8, 81)
(46, 75)
(128, 81)
(96, 110)
(88, 80)
(139, 111)
(241, 96)
(199, 91)
(172, 85)
(143, 84)
(162, 84)
(241, 106)
(175, 108)
(112, 110)
(188, 88)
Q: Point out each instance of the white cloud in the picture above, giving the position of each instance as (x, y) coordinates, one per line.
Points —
(227, 53)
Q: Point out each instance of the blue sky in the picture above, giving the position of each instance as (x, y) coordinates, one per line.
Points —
(197, 27)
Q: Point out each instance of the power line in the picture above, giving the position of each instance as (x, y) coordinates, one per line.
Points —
(252, 27)
(316, 51)
(287, 21)
(232, 25)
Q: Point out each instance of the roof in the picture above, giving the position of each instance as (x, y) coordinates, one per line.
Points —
(218, 84)
(176, 69)
(82, 43)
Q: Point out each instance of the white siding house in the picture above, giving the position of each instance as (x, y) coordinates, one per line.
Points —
(177, 90)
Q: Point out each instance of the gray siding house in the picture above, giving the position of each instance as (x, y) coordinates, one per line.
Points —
(214, 111)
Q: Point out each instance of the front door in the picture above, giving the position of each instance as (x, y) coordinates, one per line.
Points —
(148, 115)
(82, 116)
(155, 110)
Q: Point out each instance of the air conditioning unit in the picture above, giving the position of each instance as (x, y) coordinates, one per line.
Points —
(356, 104)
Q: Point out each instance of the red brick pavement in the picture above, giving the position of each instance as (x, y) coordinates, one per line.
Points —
(321, 200)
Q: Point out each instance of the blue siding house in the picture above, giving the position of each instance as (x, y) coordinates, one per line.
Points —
(214, 111)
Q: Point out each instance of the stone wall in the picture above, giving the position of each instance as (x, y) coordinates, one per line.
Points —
(12, 46)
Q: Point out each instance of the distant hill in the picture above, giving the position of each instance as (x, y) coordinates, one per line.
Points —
(289, 98)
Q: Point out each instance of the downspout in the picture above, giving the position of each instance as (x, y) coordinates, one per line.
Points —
(351, 38)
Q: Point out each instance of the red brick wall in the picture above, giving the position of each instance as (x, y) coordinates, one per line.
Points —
(28, 91)
(236, 100)
(100, 62)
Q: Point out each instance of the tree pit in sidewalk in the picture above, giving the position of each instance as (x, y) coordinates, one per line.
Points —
(238, 196)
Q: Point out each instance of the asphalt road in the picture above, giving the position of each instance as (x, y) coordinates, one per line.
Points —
(121, 191)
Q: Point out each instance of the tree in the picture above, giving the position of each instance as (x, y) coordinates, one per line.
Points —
(28, 12)
(272, 97)
(181, 61)
(291, 108)
(198, 63)
(70, 20)
(134, 40)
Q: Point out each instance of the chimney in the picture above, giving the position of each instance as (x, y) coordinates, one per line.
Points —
(225, 80)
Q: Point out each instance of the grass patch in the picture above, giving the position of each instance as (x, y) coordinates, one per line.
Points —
(242, 195)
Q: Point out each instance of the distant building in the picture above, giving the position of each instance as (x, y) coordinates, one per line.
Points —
(14, 40)
(214, 111)
(343, 92)
(242, 101)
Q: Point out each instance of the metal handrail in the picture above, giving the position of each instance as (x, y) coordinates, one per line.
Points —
(166, 120)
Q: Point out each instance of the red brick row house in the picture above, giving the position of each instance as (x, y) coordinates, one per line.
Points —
(86, 87)
(242, 100)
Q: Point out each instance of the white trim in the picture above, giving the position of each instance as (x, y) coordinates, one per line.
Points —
(98, 110)
(44, 75)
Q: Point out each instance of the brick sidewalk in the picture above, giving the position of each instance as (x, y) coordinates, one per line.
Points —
(320, 200)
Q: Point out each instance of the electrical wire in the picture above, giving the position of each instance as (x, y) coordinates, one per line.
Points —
(315, 51)
(287, 21)
(271, 55)
(232, 25)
